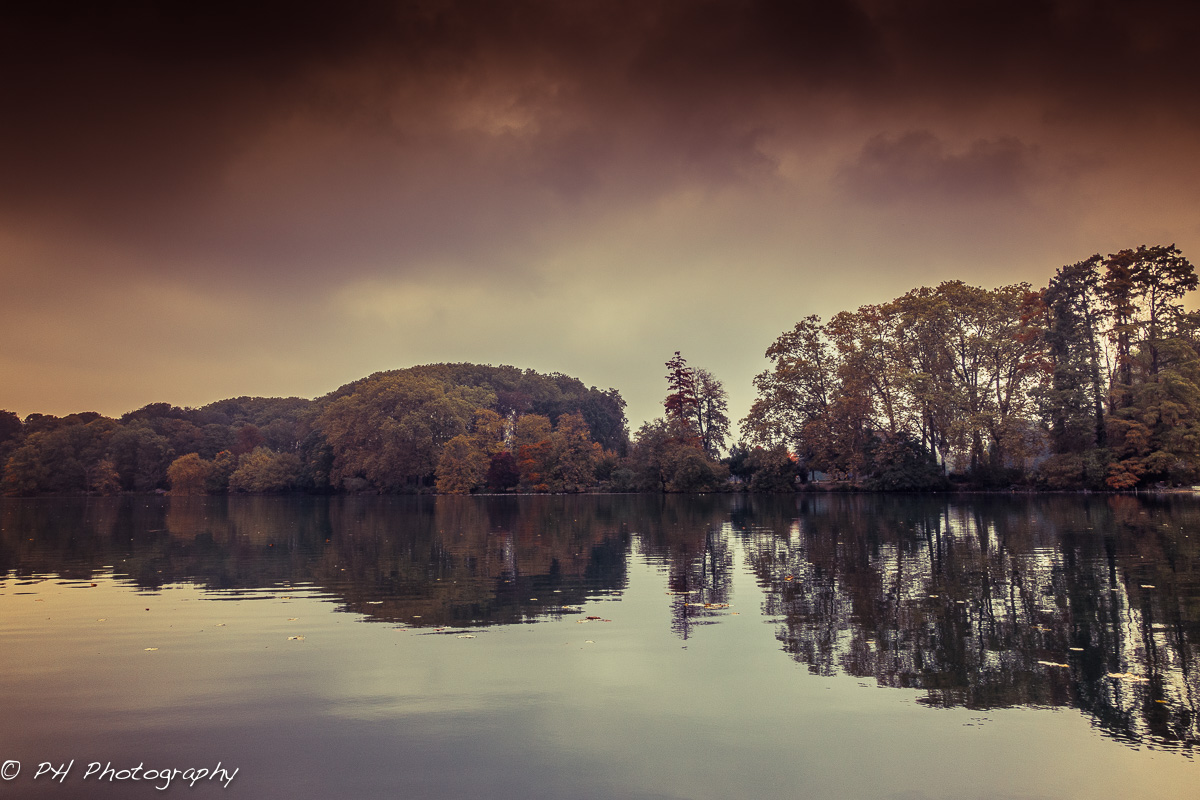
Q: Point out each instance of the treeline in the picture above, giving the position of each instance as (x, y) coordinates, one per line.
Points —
(399, 431)
(1091, 382)
(449, 428)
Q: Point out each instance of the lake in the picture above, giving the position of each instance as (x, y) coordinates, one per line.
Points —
(828, 646)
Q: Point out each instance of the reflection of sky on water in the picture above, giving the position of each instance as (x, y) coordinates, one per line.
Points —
(668, 698)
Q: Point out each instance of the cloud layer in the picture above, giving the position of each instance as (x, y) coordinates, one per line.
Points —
(195, 193)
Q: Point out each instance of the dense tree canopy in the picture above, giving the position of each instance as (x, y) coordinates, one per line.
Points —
(1090, 382)
(677, 453)
(390, 432)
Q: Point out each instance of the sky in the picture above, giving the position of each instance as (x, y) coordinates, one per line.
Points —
(209, 200)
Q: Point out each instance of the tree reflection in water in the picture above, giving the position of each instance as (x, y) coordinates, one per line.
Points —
(980, 602)
(994, 602)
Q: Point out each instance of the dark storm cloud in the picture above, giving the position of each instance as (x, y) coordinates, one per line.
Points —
(206, 199)
(1068, 52)
(919, 167)
(284, 136)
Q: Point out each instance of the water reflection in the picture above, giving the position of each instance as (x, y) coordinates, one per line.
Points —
(981, 603)
(449, 562)
(990, 603)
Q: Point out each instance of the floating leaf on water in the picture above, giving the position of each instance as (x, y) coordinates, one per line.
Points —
(1128, 676)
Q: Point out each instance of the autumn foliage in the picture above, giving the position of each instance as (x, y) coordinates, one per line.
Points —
(411, 430)
(1090, 382)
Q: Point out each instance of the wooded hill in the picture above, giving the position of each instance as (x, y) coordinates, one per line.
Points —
(383, 433)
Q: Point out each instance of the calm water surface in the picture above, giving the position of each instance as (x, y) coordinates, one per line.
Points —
(602, 647)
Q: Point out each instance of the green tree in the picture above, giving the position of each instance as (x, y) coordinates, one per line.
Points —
(516, 392)
(265, 471)
(902, 464)
(10, 427)
(11, 431)
(1157, 436)
(926, 368)
(575, 454)
(103, 478)
(390, 429)
(866, 342)
(1152, 428)
(1143, 289)
(462, 466)
(696, 401)
(25, 472)
(772, 470)
(795, 392)
(188, 474)
(60, 458)
(488, 430)
(1073, 398)
(712, 412)
(220, 470)
(665, 457)
(464, 461)
(141, 457)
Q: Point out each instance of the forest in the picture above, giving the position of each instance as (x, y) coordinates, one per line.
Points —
(438, 426)
(1091, 382)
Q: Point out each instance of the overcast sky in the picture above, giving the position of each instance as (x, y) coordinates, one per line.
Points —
(199, 200)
